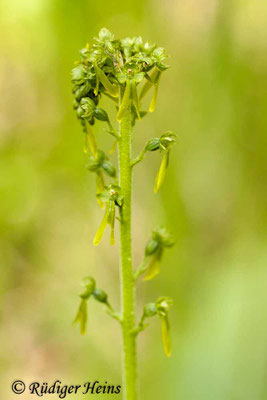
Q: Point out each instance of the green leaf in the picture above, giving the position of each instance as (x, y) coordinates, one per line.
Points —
(162, 171)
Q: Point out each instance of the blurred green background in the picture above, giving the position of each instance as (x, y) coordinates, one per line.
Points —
(214, 199)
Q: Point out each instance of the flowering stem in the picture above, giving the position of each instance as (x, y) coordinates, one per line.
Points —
(126, 268)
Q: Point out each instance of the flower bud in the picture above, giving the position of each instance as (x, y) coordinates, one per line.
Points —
(75, 104)
(152, 145)
(101, 114)
(109, 168)
(93, 164)
(78, 74)
(162, 236)
(105, 34)
(100, 295)
(88, 107)
(151, 247)
(149, 310)
(82, 90)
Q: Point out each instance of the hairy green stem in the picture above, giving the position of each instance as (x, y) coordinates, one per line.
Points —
(126, 270)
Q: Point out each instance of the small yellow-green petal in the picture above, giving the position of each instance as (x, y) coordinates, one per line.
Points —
(100, 186)
(111, 221)
(152, 105)
(148, 84)
(165, 335)
(114, 147)
(111, 89)
(125, 101)
(102, 227)
(153, 268)
(96, 90)
(91, 140)
(81, 316)
(162, 171)
(135, 98)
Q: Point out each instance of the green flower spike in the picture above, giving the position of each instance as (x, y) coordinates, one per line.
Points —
(116, 68)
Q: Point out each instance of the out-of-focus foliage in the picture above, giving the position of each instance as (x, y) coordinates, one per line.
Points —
(213, 199)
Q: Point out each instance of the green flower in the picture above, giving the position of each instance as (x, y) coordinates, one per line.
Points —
(160, 240)
(112, 197)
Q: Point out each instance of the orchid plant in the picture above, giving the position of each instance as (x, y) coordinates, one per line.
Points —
(125, 71)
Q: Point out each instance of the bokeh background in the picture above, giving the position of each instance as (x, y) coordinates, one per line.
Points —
(214, 199)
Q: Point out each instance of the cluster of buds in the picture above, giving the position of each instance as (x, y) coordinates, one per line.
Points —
(109, 65)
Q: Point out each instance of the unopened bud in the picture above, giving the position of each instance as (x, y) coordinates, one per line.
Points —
(101, 114)
(100, 295)
(153, 144)
(150, 310)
